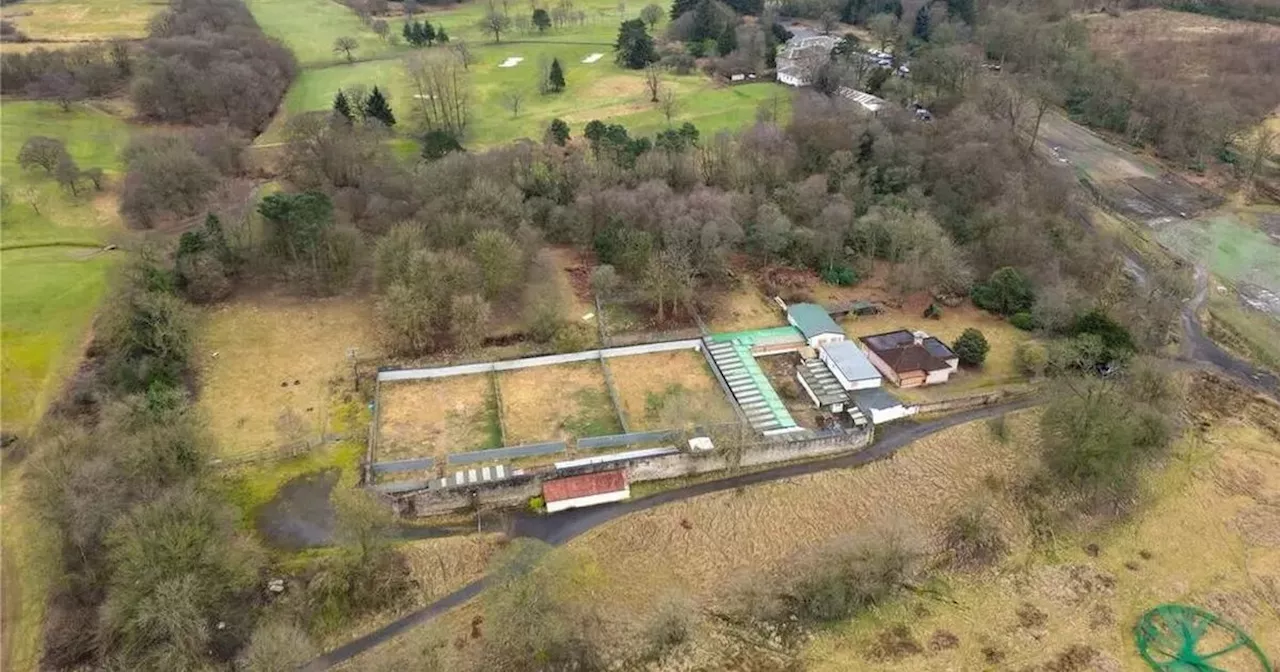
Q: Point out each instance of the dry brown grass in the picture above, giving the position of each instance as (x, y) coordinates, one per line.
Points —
(556, 402)
(742, 308)
(252, 350)
(434, 418)
(667, 390)
(1193, 543)
(83, 20)
(1214, 57)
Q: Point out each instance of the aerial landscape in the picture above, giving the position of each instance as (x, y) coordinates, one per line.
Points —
(573, 335)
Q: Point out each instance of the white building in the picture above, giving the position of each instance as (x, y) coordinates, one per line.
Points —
(586, 490)
(850, 365)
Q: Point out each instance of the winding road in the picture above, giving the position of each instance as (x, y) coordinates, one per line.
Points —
(559, 528)
(1198, 349)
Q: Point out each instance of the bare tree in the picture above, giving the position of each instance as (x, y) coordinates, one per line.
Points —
(31, 196)
(653, 80)
(59, 86)
(440, 91)
(829, 21)
(668, 103)
(512, 99)
(346, 45)
(381, 28)
(1259, 150)
(885, 28)
(463, 52)
(495, 22)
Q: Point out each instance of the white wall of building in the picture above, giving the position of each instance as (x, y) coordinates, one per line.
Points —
(589, 500)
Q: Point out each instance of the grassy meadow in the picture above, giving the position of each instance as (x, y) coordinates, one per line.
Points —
(83, 20)
(49, 293)
(599, 90)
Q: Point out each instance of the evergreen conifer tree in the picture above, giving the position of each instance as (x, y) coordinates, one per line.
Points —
(441, 36)
(922, 27)
(428, 33)
(377, 107)
(342, 107)
(704, 22)
(727, 42)
(556, 77)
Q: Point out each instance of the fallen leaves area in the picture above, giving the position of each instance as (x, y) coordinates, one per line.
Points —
(668, 390)
(546, 403)
(435, 418)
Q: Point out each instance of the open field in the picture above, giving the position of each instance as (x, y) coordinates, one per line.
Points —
(433, 418)
(546, 403)
(1218, 59)
(1206, 538)
(262, 359)
(668, 390)
(83, 20)
(310, 27)
(599, 90)
(744, 307)
(1248, 332)
(49, 294)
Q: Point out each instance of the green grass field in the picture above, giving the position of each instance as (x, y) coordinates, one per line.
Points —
(49, 294)
(83, 20)
(599, 90)
(309, 28)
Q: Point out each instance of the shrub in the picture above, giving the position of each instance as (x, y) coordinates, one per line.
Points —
(973, 538)
(971, 347)
(1031, 358)
(1023, 321)
(841, 275)
(850, 576)
(1006, 292)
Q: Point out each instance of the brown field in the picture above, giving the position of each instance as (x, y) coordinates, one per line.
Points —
(742, 308)
(546, 403)
(668, 390)
(1206, 535)
(434, 418)
(1217, 58)
(83, 20)
(262, 357)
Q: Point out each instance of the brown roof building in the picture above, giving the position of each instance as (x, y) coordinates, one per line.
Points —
(911, 359)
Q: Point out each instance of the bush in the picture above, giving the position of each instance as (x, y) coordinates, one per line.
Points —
(850, 576)
(1006, 292)
(1023, 321)
(971, 347)
(841, 275)
(973, 539)
(571, 337)
(1031, 358)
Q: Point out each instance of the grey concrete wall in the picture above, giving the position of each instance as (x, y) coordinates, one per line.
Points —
(545, 360)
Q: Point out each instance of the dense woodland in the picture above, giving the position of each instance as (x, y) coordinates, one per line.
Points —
(156, 572)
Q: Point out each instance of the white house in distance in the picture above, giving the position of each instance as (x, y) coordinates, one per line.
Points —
(815, 323)
(586, 490)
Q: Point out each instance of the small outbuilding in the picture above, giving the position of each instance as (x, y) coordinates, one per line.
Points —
(814, 323)
(586, 490)
(880, 406)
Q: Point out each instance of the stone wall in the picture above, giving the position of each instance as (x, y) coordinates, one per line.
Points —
(517, 493)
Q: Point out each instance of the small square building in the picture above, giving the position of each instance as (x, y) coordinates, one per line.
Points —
(814, 323)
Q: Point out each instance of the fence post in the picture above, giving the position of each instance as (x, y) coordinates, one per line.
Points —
(600, 325)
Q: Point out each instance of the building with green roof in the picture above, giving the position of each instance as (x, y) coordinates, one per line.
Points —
(815, 323)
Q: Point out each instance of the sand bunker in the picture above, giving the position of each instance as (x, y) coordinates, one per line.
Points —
(593, 58)
(511, 62)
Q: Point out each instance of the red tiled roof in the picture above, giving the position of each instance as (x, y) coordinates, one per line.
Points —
(584, 486)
